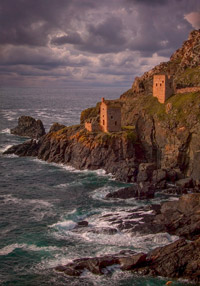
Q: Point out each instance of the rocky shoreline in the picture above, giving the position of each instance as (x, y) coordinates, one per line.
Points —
(179, 259)
(156, 150)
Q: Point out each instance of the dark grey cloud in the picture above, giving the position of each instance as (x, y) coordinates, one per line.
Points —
(28, 22)
(105, 37)
(149, 2)
(90, 40)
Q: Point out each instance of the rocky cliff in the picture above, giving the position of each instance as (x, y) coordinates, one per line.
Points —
(166, 136)
(117, 153)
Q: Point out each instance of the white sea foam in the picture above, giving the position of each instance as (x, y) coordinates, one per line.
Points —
(64, 225)
(11, 199)
(101, 193)
(60, 186)
(4, 131)
(38, 209)
(9, 115)
(27, 247)
(99, 172)
(4, 148)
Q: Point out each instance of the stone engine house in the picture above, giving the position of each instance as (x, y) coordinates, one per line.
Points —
(110, 116)
(162, 87)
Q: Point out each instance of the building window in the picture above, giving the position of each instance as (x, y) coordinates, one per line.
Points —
(156, 84)
(111, 117)
(115, 123)
(160, 84)
(103, 122)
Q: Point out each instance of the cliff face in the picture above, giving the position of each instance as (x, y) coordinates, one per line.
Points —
(116, 153)
(183, 65)
(169, 133)
(166, 136)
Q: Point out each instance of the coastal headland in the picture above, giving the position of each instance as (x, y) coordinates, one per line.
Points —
(157, 148)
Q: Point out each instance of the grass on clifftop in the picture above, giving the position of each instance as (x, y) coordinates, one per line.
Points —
(183, 106)
(190, 77)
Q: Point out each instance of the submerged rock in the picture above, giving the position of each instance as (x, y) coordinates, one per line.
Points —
(29, 127)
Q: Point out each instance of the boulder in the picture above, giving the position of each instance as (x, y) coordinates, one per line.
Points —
(29, 127)
(145, 172)
(82, 223)
(179, 259)
(144, 190)
(181, 217)
(28, 148)
(56, 127)
(185, 183)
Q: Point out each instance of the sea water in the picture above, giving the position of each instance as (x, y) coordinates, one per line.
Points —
(41, 203)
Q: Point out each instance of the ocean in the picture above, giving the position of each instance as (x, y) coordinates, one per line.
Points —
(41, 203)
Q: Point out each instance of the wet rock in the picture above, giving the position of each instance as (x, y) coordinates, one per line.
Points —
(136, 260)
(104, 230)
(177, 260)
(29, 127)
(95, 265)
(82, 223)
(140, 191)
(29, 148)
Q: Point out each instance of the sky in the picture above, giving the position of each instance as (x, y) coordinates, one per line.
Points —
(89, 43)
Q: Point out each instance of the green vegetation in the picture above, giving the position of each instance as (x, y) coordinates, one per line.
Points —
(189, 77)
(128, 94)
(90, 112)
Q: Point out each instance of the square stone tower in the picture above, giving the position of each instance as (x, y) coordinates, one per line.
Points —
(110, 116)
(162, 87)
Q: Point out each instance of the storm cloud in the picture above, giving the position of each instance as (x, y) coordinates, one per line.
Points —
(89, 42)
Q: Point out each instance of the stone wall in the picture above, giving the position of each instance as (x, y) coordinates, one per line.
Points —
(188, 89)
(92, 126)
(113, 119)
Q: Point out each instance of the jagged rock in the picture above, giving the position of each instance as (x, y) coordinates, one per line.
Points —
(181, 217)
(56, 127)
(185, 183)
(177, 260)
(140, 191)
(29, 127)
(29, 148)
(159, 178)
(132, 261)
(73, 145)
(145, 172)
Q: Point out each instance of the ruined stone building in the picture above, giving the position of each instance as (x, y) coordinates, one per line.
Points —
(162, 87)
(110, 116)
(92, 125)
